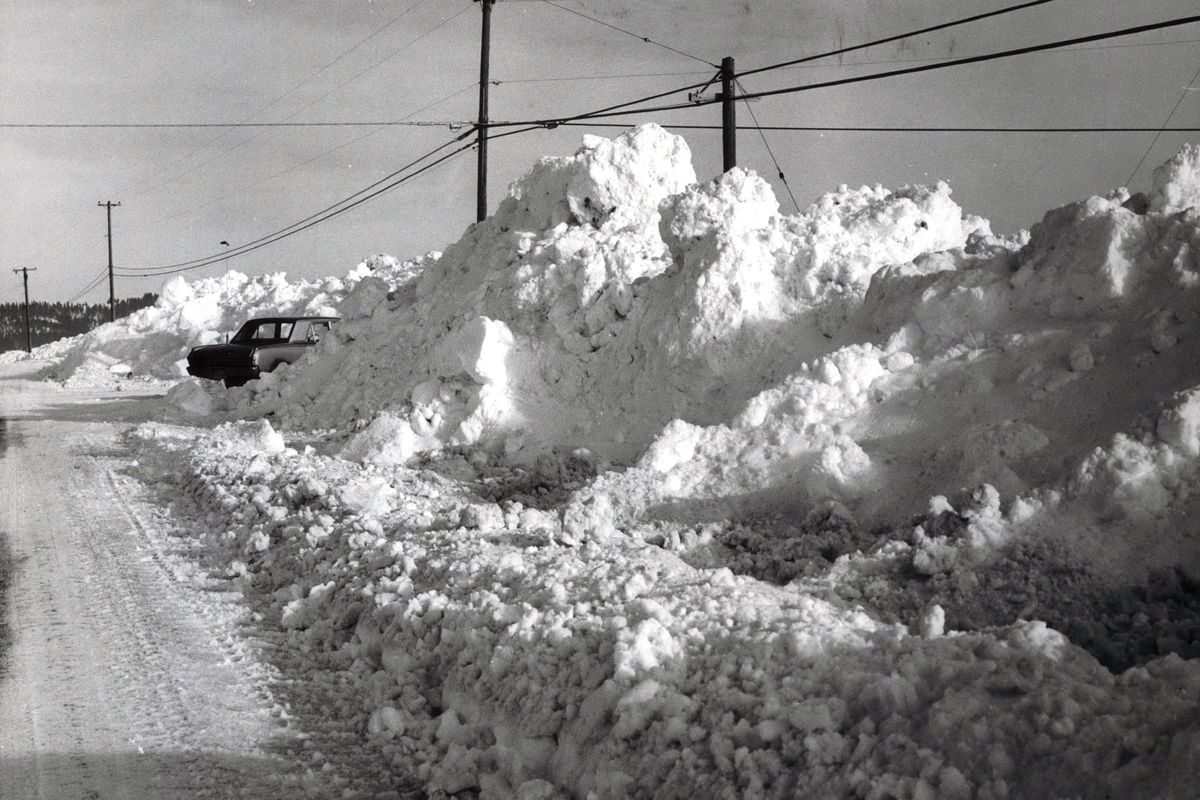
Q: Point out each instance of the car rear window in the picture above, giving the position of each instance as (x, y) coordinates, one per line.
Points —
(264, 332)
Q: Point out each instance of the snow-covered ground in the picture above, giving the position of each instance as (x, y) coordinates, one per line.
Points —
(126, 671)
(642, 488)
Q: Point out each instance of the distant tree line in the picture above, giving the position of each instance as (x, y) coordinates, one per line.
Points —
(49, 322)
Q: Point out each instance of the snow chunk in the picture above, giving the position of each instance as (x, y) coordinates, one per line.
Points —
(387, 441)
(1176, 184)
(370, 495)
(1180, 426)
(262, 438)
(190, 399)
(647, 647)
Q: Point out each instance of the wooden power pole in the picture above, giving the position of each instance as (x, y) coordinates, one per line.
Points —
(112, 297)
(481, 204)
(28, 336)
(728, 115)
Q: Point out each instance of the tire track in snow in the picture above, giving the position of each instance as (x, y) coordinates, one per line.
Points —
(125, 677)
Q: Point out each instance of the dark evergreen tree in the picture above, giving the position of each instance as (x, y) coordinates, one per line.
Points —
(49, 322)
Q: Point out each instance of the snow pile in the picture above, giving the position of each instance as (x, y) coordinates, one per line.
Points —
(876, 350)
(153, 342)
(1038, 366)
(608, 295)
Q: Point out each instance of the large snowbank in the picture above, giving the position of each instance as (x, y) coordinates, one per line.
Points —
(1032, 368)
(608, 295)
(904, 509)
(876, 350)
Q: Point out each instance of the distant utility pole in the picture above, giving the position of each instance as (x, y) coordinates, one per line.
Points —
(481, 205)
(728, 115)
(112, 296)
(28, 337)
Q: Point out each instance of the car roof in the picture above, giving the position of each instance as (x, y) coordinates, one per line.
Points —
(300, 318)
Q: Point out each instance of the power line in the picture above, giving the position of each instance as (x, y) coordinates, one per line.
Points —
(339, 57)
(947, 58)
(974, 59)
(455, 123)
(303, 224)
(840, 65)
(880, 129)
(897, 37)
(305, 107)
(381, 61)
(645, 39)
(1159, 132)
(767, 145)
(358, 124)
(316, 219)
(597, 77)
(610, 112)
(331, 215)
(100, 276)
(305, 163)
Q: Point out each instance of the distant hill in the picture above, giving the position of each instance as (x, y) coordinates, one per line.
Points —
(49, 322)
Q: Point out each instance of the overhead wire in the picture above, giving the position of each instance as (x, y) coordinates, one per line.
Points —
(975, 59)
(453, 123)
(92, 285)
(306, 80)
(248, 140)
(899, 36)
(306, 162)
(839, 65)
(625, 124)
(328, 212)
(319, 124)
(611, 111)
(501, 82)
(1159, 132)
(381, 61)
(645, 39)
(877, 62)
(321, 216)
(562, 120)
(767, 145)
(325, 218)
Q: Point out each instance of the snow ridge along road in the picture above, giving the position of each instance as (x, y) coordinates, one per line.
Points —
(125, 673)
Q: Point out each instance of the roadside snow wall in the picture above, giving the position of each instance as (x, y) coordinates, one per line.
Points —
(608, 295)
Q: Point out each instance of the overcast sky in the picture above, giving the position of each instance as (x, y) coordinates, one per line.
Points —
(184, 191)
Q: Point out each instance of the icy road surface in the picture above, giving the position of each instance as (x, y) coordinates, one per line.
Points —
(123, 672)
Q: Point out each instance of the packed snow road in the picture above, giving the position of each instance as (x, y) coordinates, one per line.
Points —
(124, 672)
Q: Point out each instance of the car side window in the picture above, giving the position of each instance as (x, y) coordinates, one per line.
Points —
(265, 331)
(316, 330)
(285, 329)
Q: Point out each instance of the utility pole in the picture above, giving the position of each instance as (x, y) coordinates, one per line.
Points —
(481, 171)
(112, 297)
(28, 337)
(728, 115)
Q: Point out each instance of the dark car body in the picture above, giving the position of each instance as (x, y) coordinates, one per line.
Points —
(259, 346)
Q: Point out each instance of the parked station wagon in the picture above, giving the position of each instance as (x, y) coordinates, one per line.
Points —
(259, 346)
